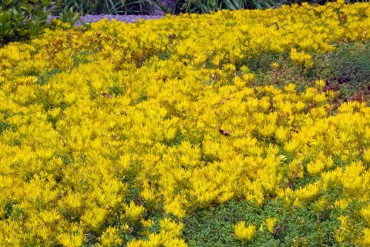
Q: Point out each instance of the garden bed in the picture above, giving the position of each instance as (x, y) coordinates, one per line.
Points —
(237, 128)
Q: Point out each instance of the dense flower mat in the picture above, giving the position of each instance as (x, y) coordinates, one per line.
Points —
(107, 132)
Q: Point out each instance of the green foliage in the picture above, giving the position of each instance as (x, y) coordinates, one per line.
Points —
(108, 6)
(4, 126)
(22, 19)
(207, 6)
(177, 140)
(345, 70)
(43, 79)
(68, 15)
(303, 226)
(8, 209)
(214, 226)
(287, 73)
(351, 62)
(96, 7)
(349, 67)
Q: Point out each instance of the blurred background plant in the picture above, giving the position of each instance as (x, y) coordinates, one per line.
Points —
(207, 6)
(20, 19)
(23, 19)
(121, 7)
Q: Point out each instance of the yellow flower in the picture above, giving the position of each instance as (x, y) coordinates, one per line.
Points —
(301, 59)
(342, 203)
(171, 227)
(244, 233)
(147, 223)
(271, 222)
(365, 240)
(119, 113)
(320, 83)
(275, 65)
(365, 213)
(133, 213)
(343, 232)
(110, 237)
(366, 155)
(73, 237)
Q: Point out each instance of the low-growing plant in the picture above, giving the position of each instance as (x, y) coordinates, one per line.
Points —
(348, 69)
(309, 225)
(157, 133)
(345, 71)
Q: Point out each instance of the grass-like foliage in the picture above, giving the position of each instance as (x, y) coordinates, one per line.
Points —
(208, 6)
(109, 6)
(197, 130)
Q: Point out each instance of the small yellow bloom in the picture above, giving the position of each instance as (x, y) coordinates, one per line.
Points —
(275, 65)
(244, 233)
(271, 222)
(133, 213)
(110, 237)
(320, 83)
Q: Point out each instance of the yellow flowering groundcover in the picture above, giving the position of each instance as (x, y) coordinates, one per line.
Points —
(116, 135)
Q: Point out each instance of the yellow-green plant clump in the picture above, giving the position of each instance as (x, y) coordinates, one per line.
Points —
(102, 130)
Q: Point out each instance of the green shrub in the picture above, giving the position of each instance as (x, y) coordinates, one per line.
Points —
(22, 19)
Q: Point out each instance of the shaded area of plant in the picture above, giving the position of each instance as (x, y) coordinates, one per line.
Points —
(345, 71)
(21, 20)
(348, 71)
(303, 226)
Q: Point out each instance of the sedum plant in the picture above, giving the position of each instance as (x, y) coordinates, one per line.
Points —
(125, 133)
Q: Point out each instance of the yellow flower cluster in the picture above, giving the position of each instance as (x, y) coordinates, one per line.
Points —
(123, 120)
(168, 236)
(244, 233)
(301, 59)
